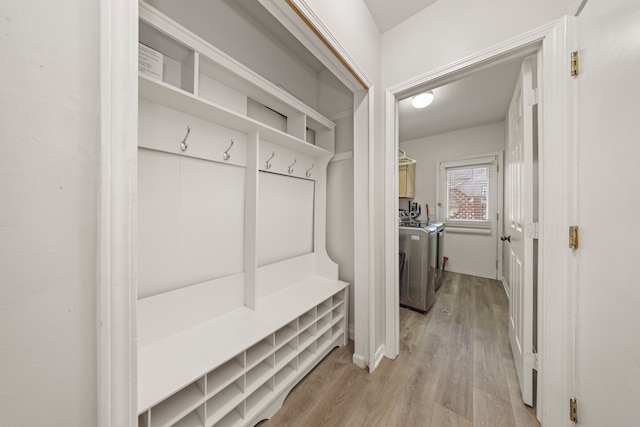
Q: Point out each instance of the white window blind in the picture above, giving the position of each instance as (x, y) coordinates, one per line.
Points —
(468, 192)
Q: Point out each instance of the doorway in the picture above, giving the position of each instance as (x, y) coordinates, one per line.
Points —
(553, 263)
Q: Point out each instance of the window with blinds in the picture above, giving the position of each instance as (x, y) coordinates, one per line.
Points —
(468, 193)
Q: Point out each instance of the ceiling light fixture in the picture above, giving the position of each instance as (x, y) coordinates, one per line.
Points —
(422, 100)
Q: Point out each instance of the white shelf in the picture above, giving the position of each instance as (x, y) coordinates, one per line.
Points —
(304, 359)
(285, 334)
(258, 400)
(175, 407)
(325, 307)
(232, 419)
(191, 420)
(224, 375)
(258, 376)
(178, 99)
(323, 324)
(285, 355)
(222, 403)
(284, 376)
(258, 352)
(171, 363)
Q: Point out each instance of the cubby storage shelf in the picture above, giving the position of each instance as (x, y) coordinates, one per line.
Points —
(178, 99)
(180, 360)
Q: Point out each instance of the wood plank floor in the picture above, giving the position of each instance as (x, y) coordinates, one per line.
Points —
(453, 370)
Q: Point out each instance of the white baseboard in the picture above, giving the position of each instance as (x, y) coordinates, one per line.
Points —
(378, 357)
(359, 361)
(505, 285)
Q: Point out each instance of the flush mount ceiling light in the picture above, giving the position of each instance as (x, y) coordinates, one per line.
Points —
(422, 100)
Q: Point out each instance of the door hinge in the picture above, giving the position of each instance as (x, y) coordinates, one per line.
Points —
(532, 230)
(573, 237)
(573, 409)
(575, 64)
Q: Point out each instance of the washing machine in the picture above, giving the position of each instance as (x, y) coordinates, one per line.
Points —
(418, 267)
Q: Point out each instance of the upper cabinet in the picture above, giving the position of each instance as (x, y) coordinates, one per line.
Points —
(407, 181)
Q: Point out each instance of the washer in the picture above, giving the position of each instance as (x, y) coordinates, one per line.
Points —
(417, 277)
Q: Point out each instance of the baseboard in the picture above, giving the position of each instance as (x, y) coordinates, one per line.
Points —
(505, 285)
(351, 332)
(359, 361)
(378, 357)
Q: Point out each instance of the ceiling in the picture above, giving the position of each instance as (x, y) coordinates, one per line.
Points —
(388, 14)
(481, 98)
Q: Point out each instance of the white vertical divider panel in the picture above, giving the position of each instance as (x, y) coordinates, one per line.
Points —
(297, 125)
(251, 222)
(196, 73)
(324, 265)
(326, 139)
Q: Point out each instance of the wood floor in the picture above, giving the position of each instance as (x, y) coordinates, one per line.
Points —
(453, 370)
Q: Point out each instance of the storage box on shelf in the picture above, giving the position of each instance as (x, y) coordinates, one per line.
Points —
(225, 351)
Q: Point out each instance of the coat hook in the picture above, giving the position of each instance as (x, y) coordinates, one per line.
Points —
(267, 165)
(291, 166)
(226, 154)
(308, 172)
(183, 144)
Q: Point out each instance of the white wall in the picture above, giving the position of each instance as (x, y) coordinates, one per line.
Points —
(468, 253)
(50, 139)
(450, 30)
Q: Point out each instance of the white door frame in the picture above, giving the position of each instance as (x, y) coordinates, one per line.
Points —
(555, 376)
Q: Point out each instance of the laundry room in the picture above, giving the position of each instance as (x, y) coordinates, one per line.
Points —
(451, 164)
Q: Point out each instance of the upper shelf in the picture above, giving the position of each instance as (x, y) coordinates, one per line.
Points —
(166, 94)
(188, 55)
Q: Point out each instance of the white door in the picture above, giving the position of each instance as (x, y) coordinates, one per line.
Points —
(518, 247)
(608, 255)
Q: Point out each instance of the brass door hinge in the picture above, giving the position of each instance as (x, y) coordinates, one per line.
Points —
(573, 409)
(575, 64)
(573, 237)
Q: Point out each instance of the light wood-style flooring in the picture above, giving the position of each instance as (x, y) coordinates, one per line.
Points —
(454, 370)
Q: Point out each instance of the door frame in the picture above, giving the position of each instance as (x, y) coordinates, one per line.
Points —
(557, 183)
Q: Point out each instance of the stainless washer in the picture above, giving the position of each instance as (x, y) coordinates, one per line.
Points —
(417, 277)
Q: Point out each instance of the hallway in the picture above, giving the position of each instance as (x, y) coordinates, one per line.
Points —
(455, 369)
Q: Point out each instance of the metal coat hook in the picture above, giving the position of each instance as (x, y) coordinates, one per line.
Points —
(183, 144)
(308, 172)
(226, 154)
(267, 165)
(290, 170)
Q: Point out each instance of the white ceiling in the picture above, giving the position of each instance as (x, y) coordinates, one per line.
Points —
(389, 13)
(478, 99)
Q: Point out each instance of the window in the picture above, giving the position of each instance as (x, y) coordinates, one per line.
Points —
(468, 192)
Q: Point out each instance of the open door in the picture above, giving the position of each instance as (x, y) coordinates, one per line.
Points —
(518, 244)
(608, 152)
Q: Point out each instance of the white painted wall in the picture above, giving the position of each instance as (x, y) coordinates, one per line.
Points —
(50, 139)
(467, 253)
(450, 30)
